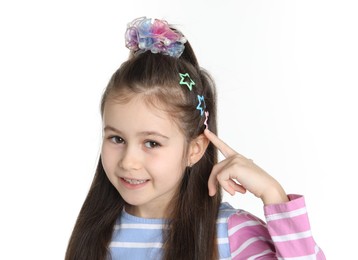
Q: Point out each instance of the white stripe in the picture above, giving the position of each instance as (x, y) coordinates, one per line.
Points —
(230, 210)
(140, 226)
(221, 220)
(223, 240)
(242, 225)
(294, 236)
(260, 254)
(135, 245)
(289, 214)
(226, 258)
(247, 244)
(306, 257)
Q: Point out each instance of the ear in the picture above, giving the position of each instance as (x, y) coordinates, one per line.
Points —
(197, 149)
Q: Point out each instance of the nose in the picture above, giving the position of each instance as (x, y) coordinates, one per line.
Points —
(130, 159)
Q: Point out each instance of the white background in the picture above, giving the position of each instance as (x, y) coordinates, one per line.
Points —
(286, 73)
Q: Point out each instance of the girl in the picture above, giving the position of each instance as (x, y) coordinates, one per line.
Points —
(156, 192)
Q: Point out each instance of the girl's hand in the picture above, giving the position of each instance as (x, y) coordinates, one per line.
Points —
(238, 174)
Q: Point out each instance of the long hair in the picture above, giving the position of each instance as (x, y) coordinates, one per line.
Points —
(193, 213)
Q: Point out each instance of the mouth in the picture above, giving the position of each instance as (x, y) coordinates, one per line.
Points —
(134, 181)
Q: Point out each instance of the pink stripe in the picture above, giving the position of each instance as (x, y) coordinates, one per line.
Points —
(245, 233)
(294, 248)
(241, 217)
(296, 202)
(248, 232)
(254, 249)
(286, 219)
(289, 225)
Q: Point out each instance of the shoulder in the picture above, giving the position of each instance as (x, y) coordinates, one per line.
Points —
(234, 217)
(246, 233)
(226, 210)
(243, 224)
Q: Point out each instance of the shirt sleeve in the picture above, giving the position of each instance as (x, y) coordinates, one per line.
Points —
(285, 235)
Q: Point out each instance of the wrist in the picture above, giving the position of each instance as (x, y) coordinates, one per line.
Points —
(275, 195)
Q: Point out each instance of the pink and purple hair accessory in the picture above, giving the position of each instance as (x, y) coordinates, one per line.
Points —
(143, 34)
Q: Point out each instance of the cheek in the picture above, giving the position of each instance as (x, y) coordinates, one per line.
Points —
(107, 158)
(171, 161)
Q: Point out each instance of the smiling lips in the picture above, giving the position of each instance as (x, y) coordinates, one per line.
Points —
(134, 181)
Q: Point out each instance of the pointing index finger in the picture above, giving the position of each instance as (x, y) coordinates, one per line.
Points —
(226, 150)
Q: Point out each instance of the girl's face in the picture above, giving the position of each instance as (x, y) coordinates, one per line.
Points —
(142, 155)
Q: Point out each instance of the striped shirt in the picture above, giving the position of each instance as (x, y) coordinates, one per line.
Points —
(241, 235)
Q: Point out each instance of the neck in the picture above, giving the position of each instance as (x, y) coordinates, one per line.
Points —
(147, 211)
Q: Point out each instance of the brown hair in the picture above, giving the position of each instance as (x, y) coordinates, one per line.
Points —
(193, 213)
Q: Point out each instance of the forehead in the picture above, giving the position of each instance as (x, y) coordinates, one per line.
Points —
(137, 114)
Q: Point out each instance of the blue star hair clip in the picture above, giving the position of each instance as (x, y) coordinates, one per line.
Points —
(185, 79)
(201, 106)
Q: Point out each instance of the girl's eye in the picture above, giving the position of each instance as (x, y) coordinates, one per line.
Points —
(151, 144)
(116, 139)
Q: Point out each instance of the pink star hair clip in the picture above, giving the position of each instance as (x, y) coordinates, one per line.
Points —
(206, 119)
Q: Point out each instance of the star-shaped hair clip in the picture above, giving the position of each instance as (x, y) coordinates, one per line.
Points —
(185, 79)
(206, 119)
(201, 106)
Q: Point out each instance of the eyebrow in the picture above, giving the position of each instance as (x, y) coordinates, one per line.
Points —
(144, 133)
